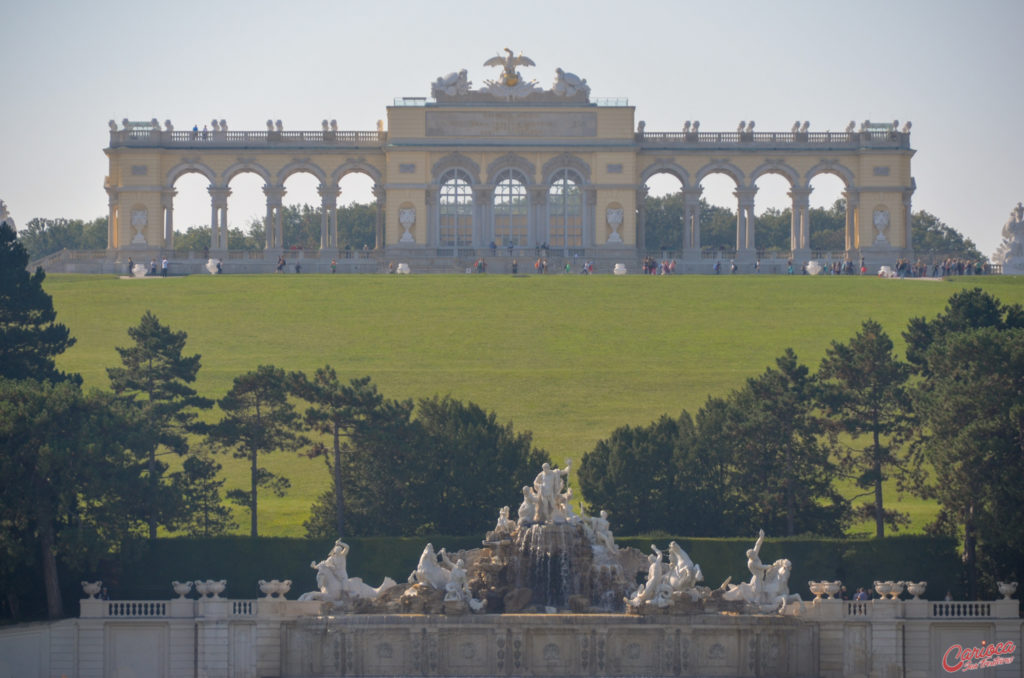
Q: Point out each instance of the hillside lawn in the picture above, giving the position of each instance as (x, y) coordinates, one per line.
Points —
(567, 357)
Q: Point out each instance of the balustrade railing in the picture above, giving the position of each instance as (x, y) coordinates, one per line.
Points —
(960, 609)
(136, 608)
(243, 608)
(900, 139)
(188, 138)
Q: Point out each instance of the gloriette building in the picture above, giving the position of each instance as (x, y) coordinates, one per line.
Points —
(514, 164)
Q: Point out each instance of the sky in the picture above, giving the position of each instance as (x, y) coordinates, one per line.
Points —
(953, 68)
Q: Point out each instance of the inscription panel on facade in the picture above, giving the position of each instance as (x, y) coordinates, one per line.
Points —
(511, 124)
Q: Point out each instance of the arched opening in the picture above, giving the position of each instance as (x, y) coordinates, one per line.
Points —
(191, 212)
(718, 213)
(774, 211)
(663, 213)
(827, 215)
(565, 211)
(246, 207)
(301, 210)
(455, 210)
(511, 210)
(357, 212)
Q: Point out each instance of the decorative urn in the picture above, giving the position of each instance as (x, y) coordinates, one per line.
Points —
(916, 588)
(1007, 589)
(182, 588)
(91, 588)
(832, 588)
(817, 588)
(883, 588)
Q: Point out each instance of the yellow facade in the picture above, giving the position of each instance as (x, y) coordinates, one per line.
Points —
(454, 175)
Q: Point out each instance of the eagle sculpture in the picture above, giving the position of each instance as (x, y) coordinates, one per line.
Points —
(510, 77)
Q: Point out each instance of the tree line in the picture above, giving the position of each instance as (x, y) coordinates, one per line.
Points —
(663, 224)
(947, 423)
(300, 223)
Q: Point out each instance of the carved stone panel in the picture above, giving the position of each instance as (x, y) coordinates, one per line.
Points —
(511, 124)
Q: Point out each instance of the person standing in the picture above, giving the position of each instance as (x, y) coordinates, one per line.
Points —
(131, 266)
(163, 267)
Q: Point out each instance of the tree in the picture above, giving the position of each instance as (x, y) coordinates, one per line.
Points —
(966, 310)
(72, 482)
(781, 469)
(155, 378)
(864, 388)
(473, 464)
(204, 515)
(828, 227)
(446, 469)
(29, 337)
(258, 419)
(972, 408)
(46, 236)
(632, 476)
(341, 412)
(930, 234)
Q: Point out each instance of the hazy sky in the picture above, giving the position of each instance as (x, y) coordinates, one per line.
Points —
(953, 68)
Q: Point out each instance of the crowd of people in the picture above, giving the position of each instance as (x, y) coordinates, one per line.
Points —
(941, 269)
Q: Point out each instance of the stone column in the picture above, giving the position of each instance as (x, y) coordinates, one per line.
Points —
(691, 222)
(798, 223)
(433, 226)
(271, 223)
(112, 239)
(328, 216)
(219, 218)
(167, 202)
(588, 220)
(382, 196)
(483, 222)
(641, 218)
(537, 231)
(744, 218)
(908, 219)
(852, 202)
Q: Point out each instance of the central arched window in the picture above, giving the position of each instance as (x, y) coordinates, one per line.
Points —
(565, 210)
(511, 210)
(456, 210)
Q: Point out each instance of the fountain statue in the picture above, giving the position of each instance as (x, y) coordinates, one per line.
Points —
(552, 558)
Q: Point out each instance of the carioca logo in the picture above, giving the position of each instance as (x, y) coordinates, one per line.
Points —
(959, 658)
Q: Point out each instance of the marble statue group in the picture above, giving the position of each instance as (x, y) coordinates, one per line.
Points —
(552, 557)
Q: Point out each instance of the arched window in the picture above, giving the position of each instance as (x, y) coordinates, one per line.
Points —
(565, 210)
(511, 210)
(456, 210)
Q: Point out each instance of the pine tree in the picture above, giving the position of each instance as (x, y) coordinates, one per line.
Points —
(29, 337)
(156, 378)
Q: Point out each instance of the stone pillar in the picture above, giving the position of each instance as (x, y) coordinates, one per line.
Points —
(641, 218)
(381, 194)
(537, 231)
(798, 228)
(430, 198)
(273, 219)
(588, 224)
(219, 218)
(167, 202)
(328, 216)
(112, 237)
(745, 219)
(483, 222)
(691, 222)
(908, 219)
(852, 201)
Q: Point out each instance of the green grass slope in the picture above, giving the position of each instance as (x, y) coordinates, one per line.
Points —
(568, 357)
